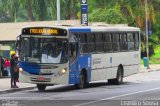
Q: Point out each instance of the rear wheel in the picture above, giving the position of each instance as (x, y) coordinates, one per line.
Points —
(41, 87)
(119, 79)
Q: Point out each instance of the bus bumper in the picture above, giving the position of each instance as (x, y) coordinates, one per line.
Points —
(25, 77)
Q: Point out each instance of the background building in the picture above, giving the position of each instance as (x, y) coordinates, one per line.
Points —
(10, 31)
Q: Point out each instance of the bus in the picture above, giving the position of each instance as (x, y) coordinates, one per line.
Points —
(77, 55)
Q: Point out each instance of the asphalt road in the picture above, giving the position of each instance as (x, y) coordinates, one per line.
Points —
(137, 90)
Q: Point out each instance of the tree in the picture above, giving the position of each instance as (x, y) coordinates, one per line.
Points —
(11, 8)
(70, 9)
(52, 9)
(108, 15)
(35, 9)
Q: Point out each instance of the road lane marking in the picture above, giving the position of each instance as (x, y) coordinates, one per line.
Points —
(86, 103)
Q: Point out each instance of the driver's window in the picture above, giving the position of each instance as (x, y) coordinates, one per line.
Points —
(25, 47)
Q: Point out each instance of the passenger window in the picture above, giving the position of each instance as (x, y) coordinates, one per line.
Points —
(123, 42)
(130, 40)
(107, 41)
(83, 38)
(91, 42)
(83, 41)
(136, 41)
(115, 43)
(98, 41)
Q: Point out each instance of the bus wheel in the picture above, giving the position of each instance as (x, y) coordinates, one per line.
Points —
(41, 87)
(82, 81)
(119, 79)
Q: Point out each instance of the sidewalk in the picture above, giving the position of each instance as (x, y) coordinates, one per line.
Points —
(152, 67)
(5, 86)
(5, 82)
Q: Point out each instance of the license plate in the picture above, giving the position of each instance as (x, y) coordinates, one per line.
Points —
(46, 71)
(40, 78)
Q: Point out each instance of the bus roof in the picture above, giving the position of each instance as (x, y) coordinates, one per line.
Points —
(102, 29)
(95, 28)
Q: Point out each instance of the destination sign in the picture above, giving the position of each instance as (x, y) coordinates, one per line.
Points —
(44, 31)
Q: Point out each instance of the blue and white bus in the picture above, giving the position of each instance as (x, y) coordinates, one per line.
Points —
(77, 55)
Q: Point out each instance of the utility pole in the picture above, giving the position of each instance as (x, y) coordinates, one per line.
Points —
(147, 47)
(58, 12)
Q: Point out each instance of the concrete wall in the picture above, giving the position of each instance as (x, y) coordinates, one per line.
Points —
(9, 31)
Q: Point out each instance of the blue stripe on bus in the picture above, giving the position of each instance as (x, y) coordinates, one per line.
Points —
(80, 30)
(30, 67)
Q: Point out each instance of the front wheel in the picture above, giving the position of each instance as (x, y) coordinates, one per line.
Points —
(41, 87)
(82, 81)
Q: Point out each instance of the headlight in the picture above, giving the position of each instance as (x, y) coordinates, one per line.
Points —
(23, 72)
(62, 71)
(20, 70)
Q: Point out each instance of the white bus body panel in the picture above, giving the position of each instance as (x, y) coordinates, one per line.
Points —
(105, 66)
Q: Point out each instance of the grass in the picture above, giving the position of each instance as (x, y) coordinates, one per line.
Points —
(154, 61)
(151, 61)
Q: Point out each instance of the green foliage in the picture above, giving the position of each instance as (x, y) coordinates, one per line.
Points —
(110, 16)
(110, 11)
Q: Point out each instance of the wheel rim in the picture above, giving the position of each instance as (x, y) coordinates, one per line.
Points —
(120, 76)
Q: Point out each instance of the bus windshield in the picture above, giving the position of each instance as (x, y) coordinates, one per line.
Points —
(44, 50)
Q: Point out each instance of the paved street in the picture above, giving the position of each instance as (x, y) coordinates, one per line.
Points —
(141, 89)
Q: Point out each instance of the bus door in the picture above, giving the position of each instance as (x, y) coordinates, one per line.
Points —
(73, 51)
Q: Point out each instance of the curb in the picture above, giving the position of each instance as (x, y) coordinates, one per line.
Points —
(149, 70)
(4, 77)
(16, 90)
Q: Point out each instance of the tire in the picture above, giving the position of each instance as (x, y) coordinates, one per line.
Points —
(41, 87)
(82, 81)
(119, 79)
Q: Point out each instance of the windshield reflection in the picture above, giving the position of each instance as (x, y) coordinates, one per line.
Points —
(44, 50)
